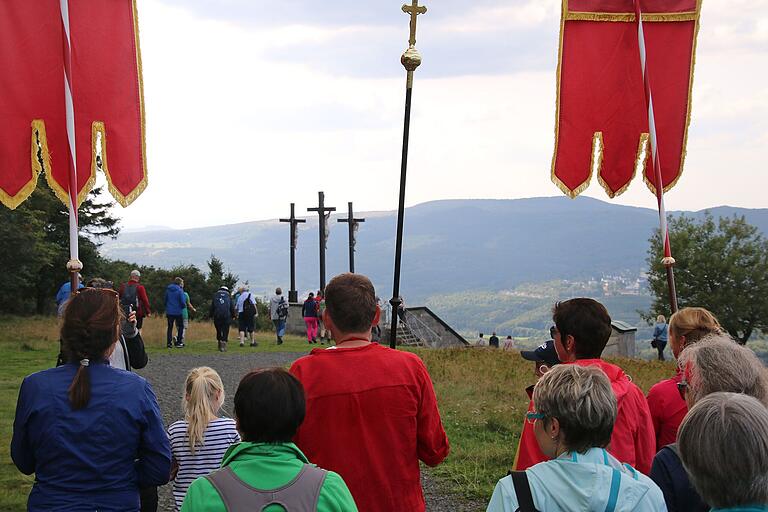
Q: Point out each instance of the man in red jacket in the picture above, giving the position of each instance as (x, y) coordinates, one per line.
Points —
(582, 329)
(371, 411)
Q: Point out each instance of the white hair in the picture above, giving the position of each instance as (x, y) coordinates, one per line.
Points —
(723, 443)
(717, 363)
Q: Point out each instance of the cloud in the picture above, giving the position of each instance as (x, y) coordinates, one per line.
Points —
(250, 107)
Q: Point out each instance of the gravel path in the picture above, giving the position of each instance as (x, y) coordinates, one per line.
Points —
(167, 373)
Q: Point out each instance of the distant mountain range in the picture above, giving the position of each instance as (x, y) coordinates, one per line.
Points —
(449, 246)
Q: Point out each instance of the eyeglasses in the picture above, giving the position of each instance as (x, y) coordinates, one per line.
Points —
(682, 388)
(552, 331)
(531, 417)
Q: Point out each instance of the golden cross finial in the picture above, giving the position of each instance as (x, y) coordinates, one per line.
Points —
(414, 10)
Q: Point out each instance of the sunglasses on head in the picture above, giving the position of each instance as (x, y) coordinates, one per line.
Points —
(97, 290)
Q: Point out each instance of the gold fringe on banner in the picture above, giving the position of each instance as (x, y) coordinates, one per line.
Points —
(97, 128)
(567, 15)
(13, 201)
(679, 175)
(630, 17)
(60, 191)
(562, 186)
(136, 192)
(641, 144)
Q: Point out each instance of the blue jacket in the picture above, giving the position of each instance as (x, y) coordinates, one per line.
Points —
(583, 483)
(660, 332)
(94, 458)
(174, 300)
(65, 291)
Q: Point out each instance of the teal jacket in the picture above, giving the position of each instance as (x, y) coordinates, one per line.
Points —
(267, 466)
(583, 483)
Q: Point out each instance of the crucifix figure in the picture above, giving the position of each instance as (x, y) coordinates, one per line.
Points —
(293, 295)
(323, 212)
(414, 10)
(352, 224)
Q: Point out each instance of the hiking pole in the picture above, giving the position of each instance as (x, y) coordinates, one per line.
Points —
(410, 61)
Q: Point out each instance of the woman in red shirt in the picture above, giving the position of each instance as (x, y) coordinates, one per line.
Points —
(668, 409)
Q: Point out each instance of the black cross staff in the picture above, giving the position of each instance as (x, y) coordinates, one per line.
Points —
(410, 61)
(353, 224)
(323, 212)
(293, 295)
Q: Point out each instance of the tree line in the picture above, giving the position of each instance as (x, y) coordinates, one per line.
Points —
(35, 238)
(721, 265)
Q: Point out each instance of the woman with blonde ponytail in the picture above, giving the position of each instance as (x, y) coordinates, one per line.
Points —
(91, 433)
(686, 326)
(199, 441)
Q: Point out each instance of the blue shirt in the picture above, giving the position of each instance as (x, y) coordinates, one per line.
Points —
(94, 458)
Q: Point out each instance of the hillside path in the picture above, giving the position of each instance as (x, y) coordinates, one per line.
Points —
(166, 373)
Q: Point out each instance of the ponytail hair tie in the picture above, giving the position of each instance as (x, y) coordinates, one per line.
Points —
(84, 362)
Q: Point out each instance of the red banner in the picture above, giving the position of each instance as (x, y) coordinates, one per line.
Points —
(602, 119)
(107, 95)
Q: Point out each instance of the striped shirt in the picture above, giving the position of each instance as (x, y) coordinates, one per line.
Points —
(219, 435)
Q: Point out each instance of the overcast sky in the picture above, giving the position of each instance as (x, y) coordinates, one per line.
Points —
(254, 104)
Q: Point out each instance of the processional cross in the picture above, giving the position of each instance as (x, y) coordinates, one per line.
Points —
(410, 61)
(293, 295)
(323, 212)
(353, 224)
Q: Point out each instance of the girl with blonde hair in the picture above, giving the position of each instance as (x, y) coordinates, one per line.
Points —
(686, 326)
(199, 441)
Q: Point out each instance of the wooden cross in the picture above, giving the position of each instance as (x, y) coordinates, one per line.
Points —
(353, 223)
(414, 10)
(322, 212)
(292, 293)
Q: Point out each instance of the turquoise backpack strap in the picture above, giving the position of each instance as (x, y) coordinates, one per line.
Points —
(613, 497)
(632, 470)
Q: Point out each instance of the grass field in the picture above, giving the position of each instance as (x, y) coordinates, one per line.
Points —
(481, 393)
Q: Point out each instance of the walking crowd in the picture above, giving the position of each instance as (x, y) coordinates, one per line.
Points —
(347, 426)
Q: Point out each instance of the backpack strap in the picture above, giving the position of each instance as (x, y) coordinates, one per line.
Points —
(613, 497)
(522, 491)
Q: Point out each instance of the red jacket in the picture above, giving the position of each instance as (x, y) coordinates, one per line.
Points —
(667, 410)
(141, 295)
(371, 416)
(633, 440)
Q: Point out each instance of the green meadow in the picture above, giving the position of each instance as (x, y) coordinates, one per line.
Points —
(481, 393)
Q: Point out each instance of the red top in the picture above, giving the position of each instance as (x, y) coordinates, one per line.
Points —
(667, 410)
(633, 440)
(141, 296)
(371, 416)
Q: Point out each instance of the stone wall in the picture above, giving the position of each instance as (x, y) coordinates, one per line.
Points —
(295, 323)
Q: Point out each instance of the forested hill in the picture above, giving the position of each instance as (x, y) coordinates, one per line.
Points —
(450, 246)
